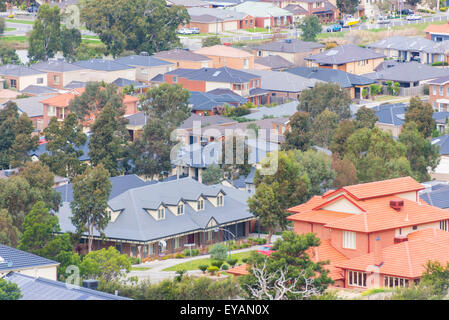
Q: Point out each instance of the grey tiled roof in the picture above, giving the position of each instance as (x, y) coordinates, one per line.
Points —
(56, 66)
(438, 198)
(142, 60)
(443, 142)
(18, 71)
(45, 289)
(180, 54)
(135, 223)
(188, 3)
(223, 74)
(440, 80)
(205, 121)
(221, 15)
(391, 113)
(35, 89)
(122, 82)
(344, 54)
(102, 65)
(409, 44)
(208, 101)
(32, 106)
(137, 119)
(408, 72)
(282, 110)
(274, 62)
(75, 84)
(296, 9)
(14, 259)
(290, 45)
(42, 148)
(344, 79)
(284, 81)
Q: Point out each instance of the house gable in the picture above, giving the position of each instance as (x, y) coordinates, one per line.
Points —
(341, 203)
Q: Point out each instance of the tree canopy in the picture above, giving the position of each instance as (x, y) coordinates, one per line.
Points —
(9, 290)
(310, 27)
(420, 113)
(299, 136)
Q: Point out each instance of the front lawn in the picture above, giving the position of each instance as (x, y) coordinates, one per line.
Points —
(196, 263)
(19, 21)
(257, 29)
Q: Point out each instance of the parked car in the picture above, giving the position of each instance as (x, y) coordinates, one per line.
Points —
(350, 21)
(405, 12)
(184, 31)
(266, 250)
(334, 28)
(413, 17)
(195, 30)
(33, 9)
(382, 20)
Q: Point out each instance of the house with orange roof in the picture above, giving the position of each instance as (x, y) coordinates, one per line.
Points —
(368, 230)
(437, 32)
(227, 56)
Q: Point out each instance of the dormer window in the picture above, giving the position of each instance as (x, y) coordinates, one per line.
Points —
(180, 209)
(220, 200)
(161, 213)
(200, 205)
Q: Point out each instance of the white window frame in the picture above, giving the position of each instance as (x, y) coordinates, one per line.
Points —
(200, 205)
(161, 213)
(395, 282)
(177, 242)
(441, 90)
(357, 278)
(434, 90)
(51, 111)
(349, 240)
(180, 209)
(220, 201)
(444, 225)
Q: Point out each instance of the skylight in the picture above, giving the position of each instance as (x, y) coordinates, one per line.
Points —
(216, 73)
(331, 53)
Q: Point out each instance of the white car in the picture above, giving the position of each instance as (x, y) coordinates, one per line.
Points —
(413, 17)
(382, 20)
(184, 31)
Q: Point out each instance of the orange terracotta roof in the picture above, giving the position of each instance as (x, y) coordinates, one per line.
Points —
(312, 203)
(325, 251)
(320, 216)
(128, 99)
(438, 28)
(63, 100)
(380, 216)
(381, 188)
(406, 259)
(224, 51)
(239, 270)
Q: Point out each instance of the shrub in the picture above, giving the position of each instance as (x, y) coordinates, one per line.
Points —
(195, 252)
(179, 274)
(180, 256)
(245, 260)
(225, 267)
(218, 252)
(439, 63)
(134, 260)
(217, 263)
(232, 262)
(443, 9)
(262, 241)
(212, 269)
(166, 257)
(203, 267)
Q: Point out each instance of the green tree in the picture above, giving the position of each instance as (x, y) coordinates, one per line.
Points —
(218, 252)
(289, 266)
(365, 118)
(8, 55)
(235, 160)
(168, 103)
(64, 141)
(341, 134)
(275, 193)
(2, 23)
(420, 113)
(105, 264)
(323, 128)
(44, 39)
(9, 290)
(326, 95)
(310, 27)
(299, 136)
(212, 175)
(347, 6)
(90, 200)
(421, 153)
(108, 136)
(211, 41)
(70, 42)
(137, 25)
(376, 155)
(345, 172)
(9, 233)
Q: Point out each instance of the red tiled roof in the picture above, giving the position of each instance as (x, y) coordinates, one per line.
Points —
(239, 270)
(320, 216)
(63, 100)
(438, 28)
(312, 203)
(325, 251)
(406, 259)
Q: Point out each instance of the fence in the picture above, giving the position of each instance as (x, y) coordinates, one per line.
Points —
(368, 26)
(407, 92)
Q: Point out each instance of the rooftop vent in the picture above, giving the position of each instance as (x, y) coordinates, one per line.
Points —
(397, 204)
(144, 53)
(90, 284)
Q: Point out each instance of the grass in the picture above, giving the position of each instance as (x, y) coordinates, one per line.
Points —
(19, 21)
(373, 291)
(388, 97)
(339, 34)
(10, 29)
(257, 29)
(196, 263)
(140, 268)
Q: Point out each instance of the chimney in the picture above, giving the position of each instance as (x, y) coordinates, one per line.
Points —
(397, 205)
(378, 259)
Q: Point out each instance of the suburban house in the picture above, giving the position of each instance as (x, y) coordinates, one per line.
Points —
(188, 3)
(266, 15)
(377, 234)
(411, 76)
(442, 169)
(292, 50)
(227, 56)
(21, 262)
(417, 49)
(146, 66)
(185, 59)
(104, 70)
(36, 90)
(347, 57)
(243, 83)
(133, 86)
(437, 194)
(60, 73)
(136, 124)
(439, 93)
(284, 86)
(185, 130)
(151, 218)
(354, 84)
(283, 110)
(297, 11)
(39, 288)
(211, 20)
(324, 10)
(274, 63)
(437, 32)
(19, 77)
(210, 103)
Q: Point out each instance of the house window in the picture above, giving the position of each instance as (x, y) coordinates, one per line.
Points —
(118, 247)
(177, 242)
(200, 205)
(443, 225)
(349, 240)
(161, 213)
(394, 282)
(259, 53)
(51, 111)
(175, 79)
(245, 64)
(133, 250)
(434, 90)
(447, 91)
(40, 80)
(220, 201)
(441, 90)
(56, 79)
(180, 209)
(150, 249)
(13, 83)
(357, 279)
(415, 227)
(209, 235)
